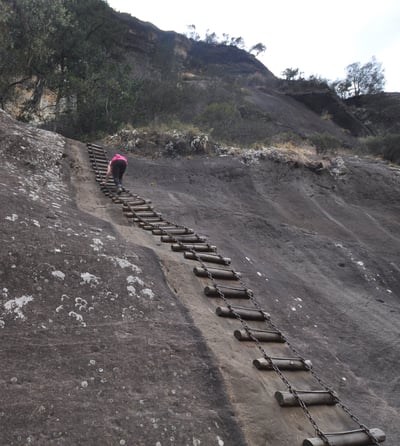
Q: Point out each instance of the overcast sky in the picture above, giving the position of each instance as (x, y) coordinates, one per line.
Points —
(319, 37)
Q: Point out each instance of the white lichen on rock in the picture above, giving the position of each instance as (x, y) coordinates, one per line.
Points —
(14, 306)
(58, 274)
(89, 279)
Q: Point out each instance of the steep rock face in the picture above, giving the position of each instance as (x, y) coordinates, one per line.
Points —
(167, 51)
(226, 61)
(153, 53)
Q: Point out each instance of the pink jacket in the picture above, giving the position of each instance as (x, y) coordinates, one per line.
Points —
(118, 157)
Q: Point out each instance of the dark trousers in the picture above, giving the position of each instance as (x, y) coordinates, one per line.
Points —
(118, 168)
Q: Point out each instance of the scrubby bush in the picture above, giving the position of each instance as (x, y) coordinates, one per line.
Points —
(220, 117)
(325, 143)
(233, 124)
(387, 146)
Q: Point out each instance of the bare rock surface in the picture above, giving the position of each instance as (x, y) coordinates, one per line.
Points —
(95, 348)
(321, 252)
(108, 339)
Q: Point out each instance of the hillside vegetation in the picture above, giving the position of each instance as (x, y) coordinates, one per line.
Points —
(86, 71)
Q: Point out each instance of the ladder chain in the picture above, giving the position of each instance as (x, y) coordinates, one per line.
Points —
(246, 327)
(324, 385)
(263, 352)
(314, 374)
(257, 342)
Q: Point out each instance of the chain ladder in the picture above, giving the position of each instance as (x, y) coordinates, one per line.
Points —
(261, 348)
(293, 391)
(248, 331)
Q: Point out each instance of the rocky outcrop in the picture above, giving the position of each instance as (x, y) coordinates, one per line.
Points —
(165, 51)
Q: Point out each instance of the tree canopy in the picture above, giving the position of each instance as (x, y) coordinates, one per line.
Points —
(212, 38)
(361, 79)
(291, 74)
(70, 48)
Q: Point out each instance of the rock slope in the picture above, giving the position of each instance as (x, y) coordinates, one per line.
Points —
(95, 349)
(107, 338)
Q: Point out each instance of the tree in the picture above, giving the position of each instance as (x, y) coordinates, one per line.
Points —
(238, 42)
(192, 33)
(211, 37)
(342, 88)
(72, 49)
(258, 48)
(317, 81)
(291, 74)
(362, 79)
(32, 28)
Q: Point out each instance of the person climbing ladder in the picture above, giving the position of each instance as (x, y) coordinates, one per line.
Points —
(116, 168)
